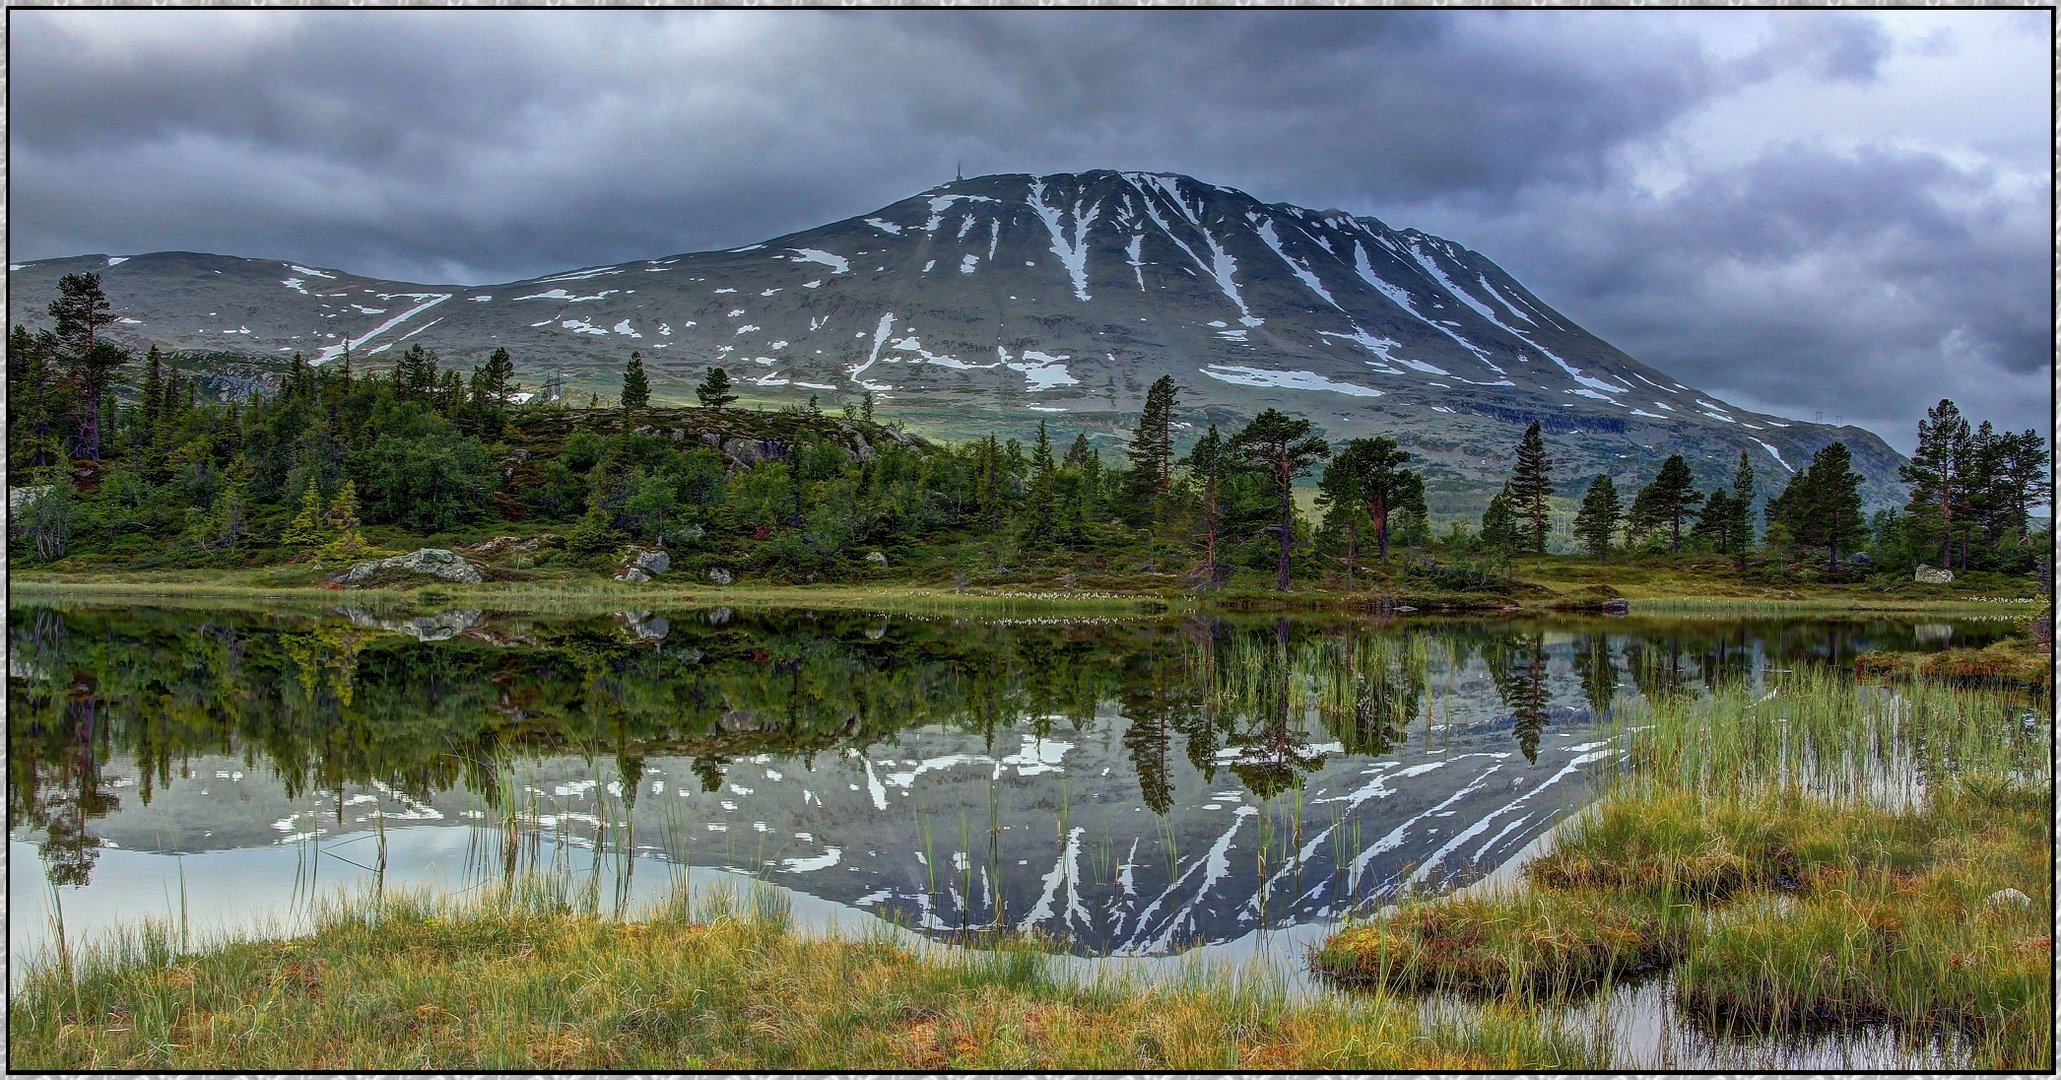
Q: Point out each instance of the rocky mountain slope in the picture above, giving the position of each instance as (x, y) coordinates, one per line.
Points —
(997, 300)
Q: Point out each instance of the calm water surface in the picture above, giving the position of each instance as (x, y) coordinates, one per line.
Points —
(1125, 787)
(1132, 790)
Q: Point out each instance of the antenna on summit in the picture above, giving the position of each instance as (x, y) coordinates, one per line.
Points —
(959, 170)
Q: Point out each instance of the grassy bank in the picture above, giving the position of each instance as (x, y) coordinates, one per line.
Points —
(525, 980)
(1807, 855)
(1541, 585)
(2021, 661)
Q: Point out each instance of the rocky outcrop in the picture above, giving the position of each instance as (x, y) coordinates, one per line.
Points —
(1933, 575)
(439, 563)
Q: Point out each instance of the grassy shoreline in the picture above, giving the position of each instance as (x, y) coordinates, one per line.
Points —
(529, 978)
(1678, 595)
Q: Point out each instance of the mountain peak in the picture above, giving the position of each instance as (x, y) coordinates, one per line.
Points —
(1017, 296)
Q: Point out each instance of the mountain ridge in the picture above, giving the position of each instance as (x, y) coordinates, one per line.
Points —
(1011, 297)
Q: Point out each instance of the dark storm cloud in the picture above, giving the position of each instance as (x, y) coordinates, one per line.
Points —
(474, 146)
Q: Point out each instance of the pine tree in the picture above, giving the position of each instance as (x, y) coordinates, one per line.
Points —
(1935, 473)
(636, 388)
(1596, 521)
(1821, 507)
(1283, 446)
(866, 407)
(1531, 485)
(1716, 524)
(1207, 462)
(714, 391)
(306, 528)
(1671, 495)
(80, 311)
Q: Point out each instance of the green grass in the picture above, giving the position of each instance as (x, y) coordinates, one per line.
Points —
(524, 980)
(1830, 850)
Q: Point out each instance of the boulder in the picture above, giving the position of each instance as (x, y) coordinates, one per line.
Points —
(651, 562)
(1932, 575)
(633, 574)
(721, 576)
(1860, 559)
(2007, 898)
(877, 558)
(439, 563)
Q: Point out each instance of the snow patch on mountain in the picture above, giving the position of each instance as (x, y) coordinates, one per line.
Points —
(1287, 380)
(837, 263)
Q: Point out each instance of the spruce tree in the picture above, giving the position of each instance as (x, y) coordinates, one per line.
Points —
(1821, 507)
(1283, 446)
(1499, 533)
(714, 391)
(306, 528)
(1671, 495)
(1152, 447)
(1596, 521)
(345, 542)
(866, 407)
(636, 389)
(1740, 533)
(1531, 485)
(1041, 501)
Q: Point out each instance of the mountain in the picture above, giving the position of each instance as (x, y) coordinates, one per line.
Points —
(997, 300)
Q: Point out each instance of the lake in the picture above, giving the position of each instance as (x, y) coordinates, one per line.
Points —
(1124, 788)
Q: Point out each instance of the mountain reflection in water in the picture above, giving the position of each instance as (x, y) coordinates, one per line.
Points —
(1121, 787)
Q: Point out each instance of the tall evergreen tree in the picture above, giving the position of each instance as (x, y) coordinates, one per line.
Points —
(1499, 531)
(1283, 446)
(305, 530)
(1041, 501)
(1208, 462)
(1936, 473)
(714, 391)
(1740, 530)
(1531, 485)
(1670, 496)
(636, 389)
(1821, 507)
(1596, 521)
(1152, 447)
(81, 310)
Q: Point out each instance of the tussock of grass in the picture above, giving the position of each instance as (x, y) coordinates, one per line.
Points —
(522, 981)
(2018, 661)
(1531, 944)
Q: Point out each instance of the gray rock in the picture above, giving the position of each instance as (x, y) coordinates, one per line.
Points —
(877, 558)
(720, 616)
(651, 562)
(721, 576)
(2007, 898)
(1933, 575)
(438, 563)
(1860, 559)
(633, 574)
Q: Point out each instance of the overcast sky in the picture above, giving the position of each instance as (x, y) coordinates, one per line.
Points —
(1842, 212)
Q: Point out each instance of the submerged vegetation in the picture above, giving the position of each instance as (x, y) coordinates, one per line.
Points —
(1806, 853)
